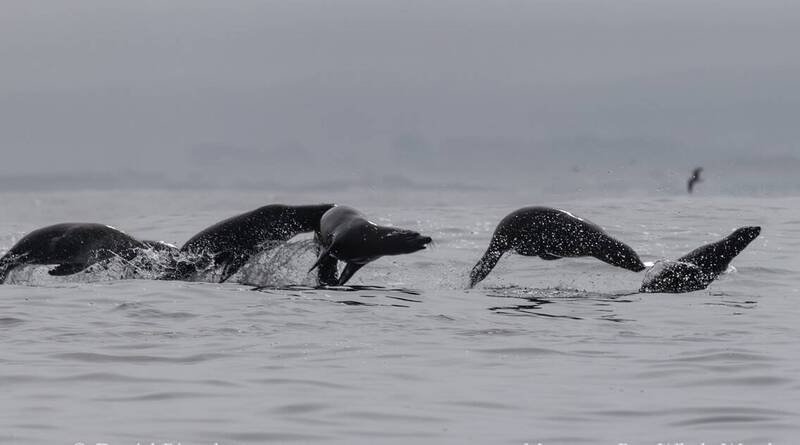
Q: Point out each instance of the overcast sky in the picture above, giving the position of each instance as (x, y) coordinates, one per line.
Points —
(325, 91)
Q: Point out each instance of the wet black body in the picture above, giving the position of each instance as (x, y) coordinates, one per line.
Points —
(231, 243)
(698, 268)
(73, 247)
(348, 236)
(551, 234)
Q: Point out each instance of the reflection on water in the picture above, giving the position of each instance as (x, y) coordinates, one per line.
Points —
(325, 293)
(535, 301)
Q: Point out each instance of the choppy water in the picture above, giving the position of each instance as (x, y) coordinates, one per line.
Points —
(556, 352)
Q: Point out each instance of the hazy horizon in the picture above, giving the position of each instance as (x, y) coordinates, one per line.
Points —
(304, 94)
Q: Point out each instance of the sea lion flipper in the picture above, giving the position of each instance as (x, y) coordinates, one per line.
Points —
(327, 271)
(322, 255)
(485, 264)
(348, 272)
(67, 269)
(327, 265)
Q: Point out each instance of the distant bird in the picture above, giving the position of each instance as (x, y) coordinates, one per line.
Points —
(694, 179)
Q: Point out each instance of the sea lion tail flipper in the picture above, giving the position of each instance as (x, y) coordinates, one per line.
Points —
(348, 272)
(67, 269)
(485, 265)
(322, 255)
(326, 264)
(327, 271)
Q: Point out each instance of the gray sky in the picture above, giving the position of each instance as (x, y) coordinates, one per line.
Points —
(435, 91)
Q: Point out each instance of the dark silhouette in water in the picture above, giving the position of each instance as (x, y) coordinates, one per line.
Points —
(694, 179)
(552, 234)
(231, 243)
(73, 247)
(698, 268)
(348, 236)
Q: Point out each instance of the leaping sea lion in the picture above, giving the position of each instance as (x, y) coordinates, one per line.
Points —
(552, 234)
(698, 268)
(348, 236)
(73, 247)
(232, 242)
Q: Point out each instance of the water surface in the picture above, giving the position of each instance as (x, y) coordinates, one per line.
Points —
(556, 352)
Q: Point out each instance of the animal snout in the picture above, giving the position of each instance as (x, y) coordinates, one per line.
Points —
(417, 240)
(407, 241)
(750, 232)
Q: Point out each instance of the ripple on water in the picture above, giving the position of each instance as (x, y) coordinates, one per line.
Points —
(301, 382)
(113, 377)
(498, 332)
(109, 377)
(715, 356)
(700, 363)
(722, 410)
(722, 417)
(158, 396)
(523, 351)
(140, 310)
(389, 417)
(92, 357)
(482, 405)
(393, 434)
(8, 322)
(271, 437)
(744, 419)
(293, 409)
(743, 382)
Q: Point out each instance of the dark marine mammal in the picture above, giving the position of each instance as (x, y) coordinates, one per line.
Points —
(347, 235)
(73, 247)
(552, 234)
(230, 243)
(698, 268)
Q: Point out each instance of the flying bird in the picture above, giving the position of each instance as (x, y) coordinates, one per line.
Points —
(694, 179)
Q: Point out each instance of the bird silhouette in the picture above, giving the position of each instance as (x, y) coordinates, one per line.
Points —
(694, 179)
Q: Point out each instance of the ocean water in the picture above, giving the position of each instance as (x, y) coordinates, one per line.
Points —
(550, 352)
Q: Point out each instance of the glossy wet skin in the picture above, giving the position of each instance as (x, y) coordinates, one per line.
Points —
(75, 245)
(715, 257)
(675, 277)
(619, 254)
(348, 236)
(700, 267)
(552, 234)
(232, 242)
(276, 222)
(363, 243)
